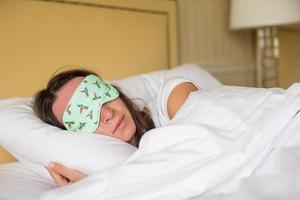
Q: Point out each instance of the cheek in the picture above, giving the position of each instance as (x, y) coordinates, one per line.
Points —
(128, 132)
(130, 129)
(100, 130)
(132, 126)
(103, 129)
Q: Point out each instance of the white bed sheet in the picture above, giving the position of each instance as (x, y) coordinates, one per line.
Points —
(187, 161)
(17, 182)
(278, 176)
(237, 150)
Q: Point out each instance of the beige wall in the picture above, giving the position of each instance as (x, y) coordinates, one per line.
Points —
(206, 39)
(289, 39)
(230, 55)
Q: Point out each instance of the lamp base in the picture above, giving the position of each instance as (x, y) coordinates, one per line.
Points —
(267, 57)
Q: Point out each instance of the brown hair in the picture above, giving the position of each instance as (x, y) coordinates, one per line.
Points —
(44, 99)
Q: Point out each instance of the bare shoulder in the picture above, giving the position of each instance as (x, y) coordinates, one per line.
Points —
(178, 96)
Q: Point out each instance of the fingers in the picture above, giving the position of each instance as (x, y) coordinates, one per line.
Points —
(71, 174)
(58, 179)
(63, 175)
(64, 171)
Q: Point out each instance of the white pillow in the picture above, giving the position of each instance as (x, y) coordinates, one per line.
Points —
(36, 143)
(145, 86)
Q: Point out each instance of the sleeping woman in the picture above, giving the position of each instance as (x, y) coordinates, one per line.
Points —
(80, 101)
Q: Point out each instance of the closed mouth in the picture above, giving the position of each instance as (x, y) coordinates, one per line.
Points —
(119, 123)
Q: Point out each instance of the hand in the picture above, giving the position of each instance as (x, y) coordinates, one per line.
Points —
(64, 176)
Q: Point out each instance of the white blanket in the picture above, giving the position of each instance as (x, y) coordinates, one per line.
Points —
(217, 140)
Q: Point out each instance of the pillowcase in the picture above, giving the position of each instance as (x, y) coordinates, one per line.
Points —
(36, 143)
(143, 88)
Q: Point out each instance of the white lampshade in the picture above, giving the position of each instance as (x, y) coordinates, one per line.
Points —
(261, 13)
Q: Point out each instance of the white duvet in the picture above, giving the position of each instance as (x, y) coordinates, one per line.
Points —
(227, 143)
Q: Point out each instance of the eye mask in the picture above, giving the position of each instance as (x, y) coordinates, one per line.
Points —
(83, 111)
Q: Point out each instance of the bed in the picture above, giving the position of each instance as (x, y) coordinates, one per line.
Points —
(241, 150)
(245, 146)
(30, 142)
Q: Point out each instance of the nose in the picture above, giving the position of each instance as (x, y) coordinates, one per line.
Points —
(106, 114)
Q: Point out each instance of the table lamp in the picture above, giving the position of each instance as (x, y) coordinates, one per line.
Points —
(265, 16)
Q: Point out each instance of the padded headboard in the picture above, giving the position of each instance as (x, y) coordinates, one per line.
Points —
(116, 38)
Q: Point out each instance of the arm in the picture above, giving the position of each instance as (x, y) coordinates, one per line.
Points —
(62, 175)
(178, 96)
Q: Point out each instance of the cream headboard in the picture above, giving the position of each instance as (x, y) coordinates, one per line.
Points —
(116, 38)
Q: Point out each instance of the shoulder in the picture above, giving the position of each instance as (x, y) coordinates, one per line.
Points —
(169, 98)
(178, 96)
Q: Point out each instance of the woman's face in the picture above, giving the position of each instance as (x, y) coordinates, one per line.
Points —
(115, 118)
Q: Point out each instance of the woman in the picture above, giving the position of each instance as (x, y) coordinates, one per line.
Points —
(79, 100)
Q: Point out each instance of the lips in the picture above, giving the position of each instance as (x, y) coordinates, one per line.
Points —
(119, 123)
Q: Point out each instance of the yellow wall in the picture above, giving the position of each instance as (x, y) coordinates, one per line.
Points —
(43, 36)
(116, 38)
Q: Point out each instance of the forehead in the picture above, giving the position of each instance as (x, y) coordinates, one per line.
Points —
(63, 97)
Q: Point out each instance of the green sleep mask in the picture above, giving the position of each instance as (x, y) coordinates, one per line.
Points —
(83, 111)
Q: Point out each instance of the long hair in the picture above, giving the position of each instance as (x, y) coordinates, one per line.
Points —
(44, 99)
